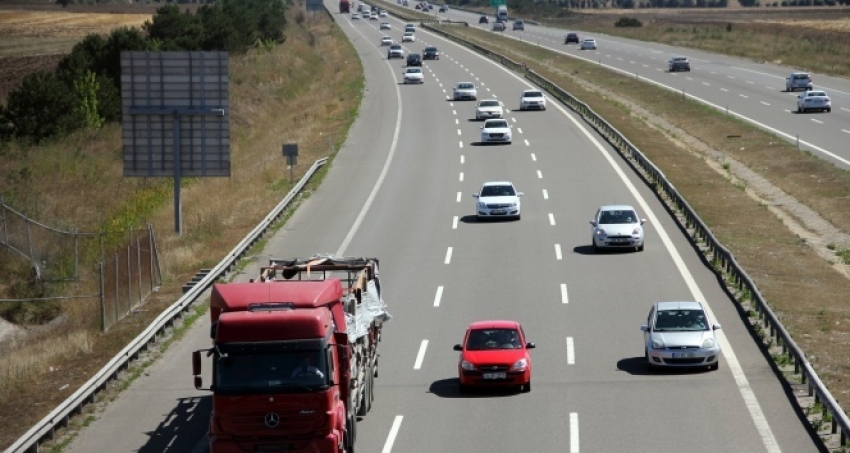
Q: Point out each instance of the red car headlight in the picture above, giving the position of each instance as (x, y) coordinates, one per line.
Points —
(520, 365)
(468, 366)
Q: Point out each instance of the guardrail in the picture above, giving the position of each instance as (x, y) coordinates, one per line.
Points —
(719, 254)
(85, 394)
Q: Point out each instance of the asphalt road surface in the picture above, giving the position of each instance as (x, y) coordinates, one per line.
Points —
(400, 190)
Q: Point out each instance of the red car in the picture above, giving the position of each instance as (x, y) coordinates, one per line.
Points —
(494, 354)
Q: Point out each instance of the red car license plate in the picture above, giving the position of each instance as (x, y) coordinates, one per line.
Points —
(494, 375)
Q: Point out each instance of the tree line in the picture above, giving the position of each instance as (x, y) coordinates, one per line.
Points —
(84, 89)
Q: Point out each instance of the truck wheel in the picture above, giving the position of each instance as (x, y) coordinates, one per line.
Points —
(350, 434)
(371, 390)
(361, 406)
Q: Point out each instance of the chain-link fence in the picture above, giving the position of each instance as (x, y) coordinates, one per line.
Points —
(74, 265)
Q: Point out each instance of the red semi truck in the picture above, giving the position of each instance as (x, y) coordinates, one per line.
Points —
(294, 356)
(344, 6)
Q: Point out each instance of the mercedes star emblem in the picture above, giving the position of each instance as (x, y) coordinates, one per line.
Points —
(272, 419)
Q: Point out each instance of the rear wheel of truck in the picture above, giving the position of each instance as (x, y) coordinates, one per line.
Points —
(350, 434)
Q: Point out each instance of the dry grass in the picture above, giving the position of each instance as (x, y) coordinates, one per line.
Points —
(802, 287)
(25, 32)
(302, 91)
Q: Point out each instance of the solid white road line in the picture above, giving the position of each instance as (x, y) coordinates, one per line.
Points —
(565, 298)
(558, 255)
(421, 355)
(448, 256)
(388, 445)
(571, 356)
(438, 296)
(545, 194)
(454, 223)
(551, 219)
(573, 433)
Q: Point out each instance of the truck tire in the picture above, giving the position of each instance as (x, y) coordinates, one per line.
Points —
(350, 434)
(371, 390)
(361, 405)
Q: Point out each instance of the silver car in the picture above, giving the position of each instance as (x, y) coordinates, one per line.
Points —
(679, 334)
(464, 90)
(497, 199)
(814, 100)
(617, 226)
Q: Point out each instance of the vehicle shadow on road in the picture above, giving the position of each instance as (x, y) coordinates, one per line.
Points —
(636, 366)
(448, 388)
(182, 428)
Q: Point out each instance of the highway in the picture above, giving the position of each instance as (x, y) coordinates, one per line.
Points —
(752, 90)
(400, 189)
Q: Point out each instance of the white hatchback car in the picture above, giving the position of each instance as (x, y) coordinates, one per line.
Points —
(408, 37)
(414, 75)
(489, 108)
(588, 44)
(532, 99)
(497, 199)
(385, 26)
(496, 130)
(464, 90)
(679, 334)
(355, 16)
(814, 100)
(383, 13)
(386, 41)
(617, 226)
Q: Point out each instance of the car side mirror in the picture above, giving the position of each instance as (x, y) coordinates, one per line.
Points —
(800, 96)
(530, 345)
(475, 195)
(644, 328)
(593, 222)
(519, 194)
(642, 221)
(715, 327)
(458, 347)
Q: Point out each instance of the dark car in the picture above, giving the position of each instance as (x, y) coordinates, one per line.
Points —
(483, 20)
(571, 37)
(414, 59)
(431, 53)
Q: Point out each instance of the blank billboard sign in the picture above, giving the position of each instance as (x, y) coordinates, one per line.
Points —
(175, 100)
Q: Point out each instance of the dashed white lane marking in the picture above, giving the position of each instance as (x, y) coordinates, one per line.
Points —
(571, 356)
(519, 129)
(448, 256)
(388, 445)
(461, 159)
(458, 132)
(551, 219)
(565, 298)
(457, 121)
(724, 89)
(460, 144)
(817, 121)
(706, 84)
(461, 177)
(513, 119)
(573, 433)
(539, 175)
(454, 223)
(558, 255)
(764, 103)
(454, 112)
(750, 82)
(438, 296)
(845, 131)
(459, 195)
(744, 96)
(545, 194)
(533, 157)
(420, 356)
(845, 109)
(526, 142)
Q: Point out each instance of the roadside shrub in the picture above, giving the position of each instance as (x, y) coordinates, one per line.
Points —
(42, 107)
(628, 22)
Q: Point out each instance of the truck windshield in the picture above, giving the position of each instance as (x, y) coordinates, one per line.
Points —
(290, 371)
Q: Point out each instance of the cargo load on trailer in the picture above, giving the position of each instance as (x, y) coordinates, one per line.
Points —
(294, 356)
(344, 6)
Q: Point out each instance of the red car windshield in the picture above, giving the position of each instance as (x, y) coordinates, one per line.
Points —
(485, 339)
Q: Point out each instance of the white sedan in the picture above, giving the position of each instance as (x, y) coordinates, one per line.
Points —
(588, 44)
(497, 199)
(489, 108)
(386, 41)
(496, 130)
(464, 90)
(814, 100)
(383, 13)
(532, 99)
(408, 37)
(617, 226)
(414, 75)
(355, 16)
(385, 26)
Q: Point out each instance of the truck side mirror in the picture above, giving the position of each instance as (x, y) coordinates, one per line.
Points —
(199, 383)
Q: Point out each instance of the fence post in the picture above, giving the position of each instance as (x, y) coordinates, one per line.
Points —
(76, 253)
(129, 271)
(5, 226)
(139, 266)
(117, 267)
(102, 300)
